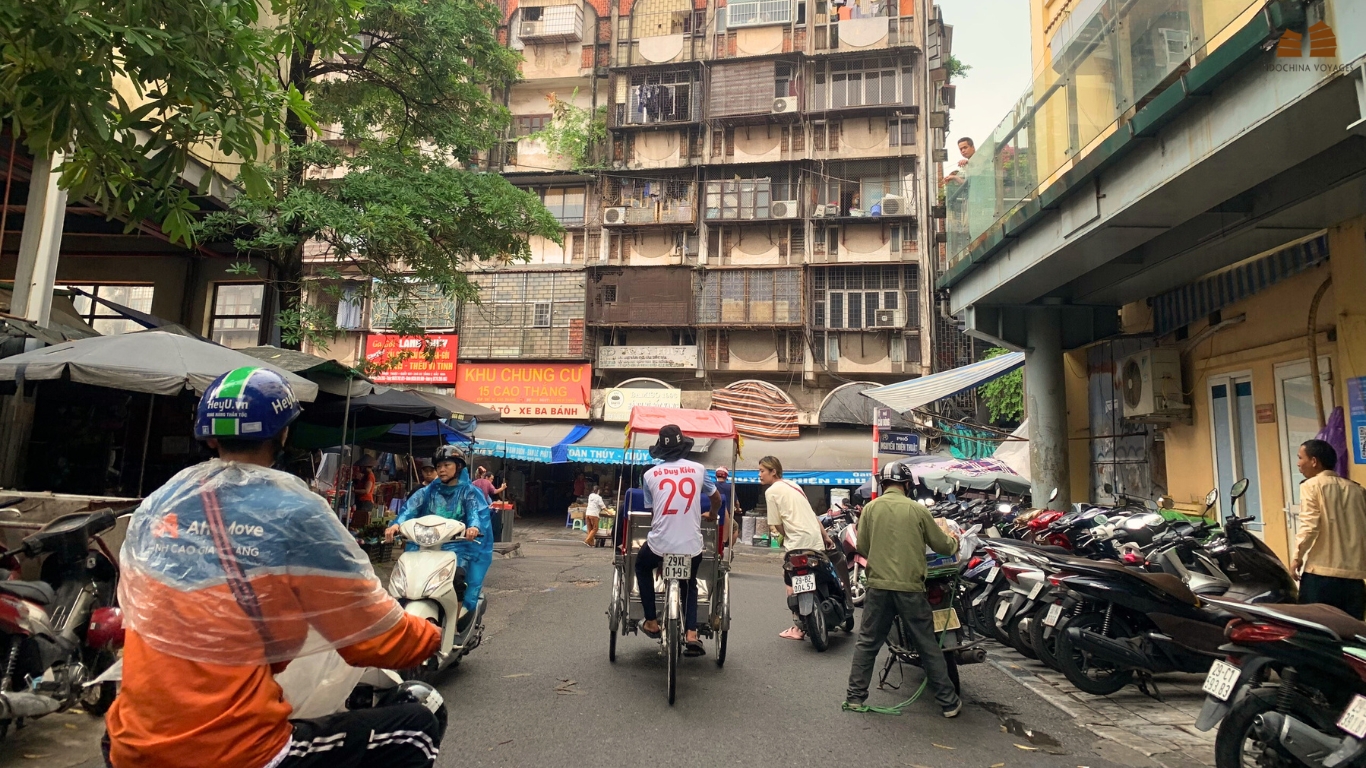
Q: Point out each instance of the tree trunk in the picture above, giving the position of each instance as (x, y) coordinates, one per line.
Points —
(290, 272)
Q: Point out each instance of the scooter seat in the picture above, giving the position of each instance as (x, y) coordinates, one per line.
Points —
(1333, 619)
(1163, 582)
(33, 591)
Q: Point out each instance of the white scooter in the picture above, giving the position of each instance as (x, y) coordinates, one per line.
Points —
(429, 584)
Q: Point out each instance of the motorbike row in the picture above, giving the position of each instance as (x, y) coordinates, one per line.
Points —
(61, 635)
(1111, 596)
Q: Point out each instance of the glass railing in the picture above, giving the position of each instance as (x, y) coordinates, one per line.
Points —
(1103, 59)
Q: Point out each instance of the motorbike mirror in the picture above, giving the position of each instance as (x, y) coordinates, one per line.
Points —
(1239, 488)
(1165, 502)
(1054, 495)
(1109, 489)
(1213, 496)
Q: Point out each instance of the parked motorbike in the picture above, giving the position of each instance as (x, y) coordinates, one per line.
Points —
(1314, 714)
(60, 632)
(817, 595)
(430, 584)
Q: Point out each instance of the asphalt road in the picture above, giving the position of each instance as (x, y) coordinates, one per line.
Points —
(775, 702)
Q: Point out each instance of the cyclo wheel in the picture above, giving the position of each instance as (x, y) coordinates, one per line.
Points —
(673, 636)
(614, 616)
(721, 647)
(722, 635)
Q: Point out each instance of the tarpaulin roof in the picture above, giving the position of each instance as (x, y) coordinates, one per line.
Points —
(760, 410)
(156, 362)
(461, 410)
(648, 420)
(384, 407)
(909, 395)
(331, 376)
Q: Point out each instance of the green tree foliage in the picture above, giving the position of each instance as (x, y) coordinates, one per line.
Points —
(126, 88)
(1004, 397)
(574, 133)
(392, 197)
(957, 69)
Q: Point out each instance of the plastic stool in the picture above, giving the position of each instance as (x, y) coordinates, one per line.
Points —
(579, 526)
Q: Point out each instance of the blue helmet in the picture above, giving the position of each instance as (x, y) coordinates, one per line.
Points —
(247, 403)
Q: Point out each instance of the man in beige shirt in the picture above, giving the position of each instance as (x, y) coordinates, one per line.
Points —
(1331, 545)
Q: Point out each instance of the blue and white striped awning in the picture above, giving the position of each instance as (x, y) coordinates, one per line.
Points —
(909, 395)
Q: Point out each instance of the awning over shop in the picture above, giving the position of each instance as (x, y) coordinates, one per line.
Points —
(819, 457)
(537, 442)
(909, 395)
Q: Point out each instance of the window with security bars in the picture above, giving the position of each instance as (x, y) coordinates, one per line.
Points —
(862, 83)
(236, 318)
(525, 125)
(790, 346)
(424, 304)
(666, 96)
(866, 297)
(758, 13)
(749, 296)
(901, 133)
(566, 204)
(532, 314)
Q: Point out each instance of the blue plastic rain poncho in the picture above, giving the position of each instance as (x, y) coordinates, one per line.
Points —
(467, 504)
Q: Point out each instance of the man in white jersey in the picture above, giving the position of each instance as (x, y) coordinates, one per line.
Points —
(673, 493)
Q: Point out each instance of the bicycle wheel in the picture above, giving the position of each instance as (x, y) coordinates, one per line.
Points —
(673, 636)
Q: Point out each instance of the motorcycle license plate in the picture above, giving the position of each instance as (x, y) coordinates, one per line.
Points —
(805, 583)
(677, 567)
(1222, 679)
(1054, 613)
(1353, 720)
(1036, 591)
(946, 619)
(991, 574)
(1002, 608)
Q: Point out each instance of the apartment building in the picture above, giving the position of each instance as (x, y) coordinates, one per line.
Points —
(761, 209)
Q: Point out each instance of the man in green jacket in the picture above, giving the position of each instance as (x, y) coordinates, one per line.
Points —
(892, 534)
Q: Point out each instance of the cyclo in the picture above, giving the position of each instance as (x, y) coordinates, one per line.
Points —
(625, 613)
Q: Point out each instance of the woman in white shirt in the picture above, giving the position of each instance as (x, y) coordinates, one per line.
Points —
(590, 516)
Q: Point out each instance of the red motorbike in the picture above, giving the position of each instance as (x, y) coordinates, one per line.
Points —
(59, 633)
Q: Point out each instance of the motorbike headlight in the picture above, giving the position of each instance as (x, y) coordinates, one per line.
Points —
(398, 580)
(1003, 508)
(444, 576)
(426, 535)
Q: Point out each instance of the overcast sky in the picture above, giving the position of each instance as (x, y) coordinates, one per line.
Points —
(991, 36)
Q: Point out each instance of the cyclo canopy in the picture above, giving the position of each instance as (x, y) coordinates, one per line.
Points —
(715, 425)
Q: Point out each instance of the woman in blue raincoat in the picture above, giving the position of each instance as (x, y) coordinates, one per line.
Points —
(452, 496)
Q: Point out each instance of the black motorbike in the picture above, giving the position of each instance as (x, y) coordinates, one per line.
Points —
(1313, 713)
(818, 596)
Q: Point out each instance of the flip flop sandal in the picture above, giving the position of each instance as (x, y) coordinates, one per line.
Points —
(657, 634)
(694, 648)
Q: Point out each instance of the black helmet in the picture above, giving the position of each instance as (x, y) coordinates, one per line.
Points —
(896, 472)
(448, 453)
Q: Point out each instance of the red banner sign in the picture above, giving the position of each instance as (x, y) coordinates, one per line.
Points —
(407, 358)
(528, 390)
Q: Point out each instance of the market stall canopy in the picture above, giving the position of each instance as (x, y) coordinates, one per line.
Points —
(538, 443)
(156, 362)
(648, 420)
(832, 456)
(331, 376)
(461, 410)
(1015, 453)
(64, 322)
(385, 407)
(909, 395)
(847, 405)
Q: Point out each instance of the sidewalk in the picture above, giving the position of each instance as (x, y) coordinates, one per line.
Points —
(1162, 730)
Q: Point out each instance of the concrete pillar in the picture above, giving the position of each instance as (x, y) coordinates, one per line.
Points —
(40, 243)
(1046, 406)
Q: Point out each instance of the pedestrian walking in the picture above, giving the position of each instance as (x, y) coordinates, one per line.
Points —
(596, 506)
(1331, 545)
(892, 534)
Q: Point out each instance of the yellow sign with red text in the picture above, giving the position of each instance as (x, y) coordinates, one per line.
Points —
(528, 390)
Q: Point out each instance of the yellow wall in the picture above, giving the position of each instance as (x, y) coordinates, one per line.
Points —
(1347, 244)
(1076, 385)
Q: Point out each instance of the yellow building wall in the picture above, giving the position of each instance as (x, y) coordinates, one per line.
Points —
(1076, 385)
(1274, 332)
(1347, 244)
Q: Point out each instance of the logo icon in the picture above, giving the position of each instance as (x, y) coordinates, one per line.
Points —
(167, 528)
(1322, 43)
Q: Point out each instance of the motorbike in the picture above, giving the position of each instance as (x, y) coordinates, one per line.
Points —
(817, 595)
(843, 528)
(430, 584)
(1314, 714)
(59, 633)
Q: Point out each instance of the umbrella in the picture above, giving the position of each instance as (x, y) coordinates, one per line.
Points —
(385, 407)
(461, 410)
(156, 362)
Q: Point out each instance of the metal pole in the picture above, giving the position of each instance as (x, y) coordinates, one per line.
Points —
(336, 486)
(146, 438)
(412, 461)
(876, 439)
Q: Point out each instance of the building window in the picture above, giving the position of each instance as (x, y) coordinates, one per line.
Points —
(541, 315)
(236, 318)
(856, 298)
(739, 200)
(566, 204)
(683, 338)
(743, 296)
(757, 13)
(900, 133)
(101, 317)
(525, 125)
(609, 294)
(667, 96)
(862, 83)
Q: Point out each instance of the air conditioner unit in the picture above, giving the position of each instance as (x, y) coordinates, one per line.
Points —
(530, 29)
(1151, 382)
(785, 104)
(894, 205)
(888, 318)
(614, 216)
(825, 211)
(783, 209)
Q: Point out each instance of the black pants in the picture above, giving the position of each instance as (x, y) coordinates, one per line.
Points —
(400, 736)
(1347, 594)
(646, 562)
(880, 608)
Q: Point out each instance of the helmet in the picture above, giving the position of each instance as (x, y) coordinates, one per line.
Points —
(246, 403)
(722, 473)
(896, 472)
(448, 453)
